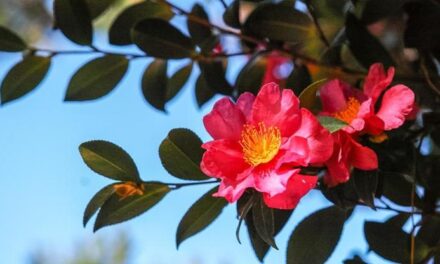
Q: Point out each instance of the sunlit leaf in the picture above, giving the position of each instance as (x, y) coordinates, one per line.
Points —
(331, 124)
(308, 96)
(96, 202)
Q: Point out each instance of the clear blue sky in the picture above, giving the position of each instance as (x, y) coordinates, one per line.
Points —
(46, 186)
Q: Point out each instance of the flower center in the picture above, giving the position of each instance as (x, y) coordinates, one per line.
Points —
(260, 144)
(350, 112)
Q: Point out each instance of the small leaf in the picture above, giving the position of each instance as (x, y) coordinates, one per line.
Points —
(307, 97)
(201, 214)
(119, 33)
(97, 201)
(251, 75)
(299, 80)
(215, 76)
(24, 77)
(98, 7)
(355, 260)
(199, 33)
(109, 160)
(154, 83)
(177, 81)
(116, 210)
(181, 154)
(11, 42)
(263, 220)
(231, 15)
(160, 39)
(315, 237)
(73, 18)
(365, 184)
(96, 78)
(430, 230)
(331, 124)
(364, 46)
(203, 92)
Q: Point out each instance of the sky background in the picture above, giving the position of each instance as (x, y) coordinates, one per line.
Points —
(46, 186)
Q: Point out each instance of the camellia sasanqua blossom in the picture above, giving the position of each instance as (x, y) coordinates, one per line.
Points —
(262, 142)
(358, 109)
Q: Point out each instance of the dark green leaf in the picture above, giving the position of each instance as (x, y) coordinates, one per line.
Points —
(277, 22)
(116, 210)
(73, 18)
(355, 260)
(251, 75)
(375, 10)
(119, 33)
(177, 81)
(203, 92)
(160, 39)
(181, 154)
(199, 33)
(299, 79)
(343, 195)
(364, 46)
(398, 188)
(264, 223)
(260, 247)
(96, 78)
(109, 160)
(331, 124)
(365, 184)
(231, 15)
(308, 96)
(10, 42)
(315, 238)
(430, 230)
(154, 83)
(98, 7)
(201, 214)
(24, 77)
(96, 202)
(214, 75)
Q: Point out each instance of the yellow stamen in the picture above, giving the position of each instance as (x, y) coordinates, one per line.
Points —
(379, 138)
(350, 112)
(128, 189)
(260, 144)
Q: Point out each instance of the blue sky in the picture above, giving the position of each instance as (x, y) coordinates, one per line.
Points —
(46, 186)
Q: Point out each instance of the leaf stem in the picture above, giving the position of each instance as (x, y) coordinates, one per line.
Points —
(175, 186)
(224, 3)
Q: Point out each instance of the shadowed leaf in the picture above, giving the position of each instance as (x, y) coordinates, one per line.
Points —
(11, 42)
(154, 84)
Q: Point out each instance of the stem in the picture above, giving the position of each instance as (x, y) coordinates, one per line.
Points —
(224, 3)
(318, 27)
(94, 50)
(175, 186)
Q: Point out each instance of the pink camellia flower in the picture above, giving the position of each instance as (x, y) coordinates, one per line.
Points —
(358, 108)
(261, 142)
(272, 73)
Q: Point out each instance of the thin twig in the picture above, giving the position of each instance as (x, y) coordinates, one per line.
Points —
(318, 27)
(176, 186)
(224, 3)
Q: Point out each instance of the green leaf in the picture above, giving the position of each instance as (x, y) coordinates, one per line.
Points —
(119, 33)
(181, 154)
(11, 42)
(308, 96)
(160, 39)
(214, 74)
(299, 80)
(331, 124)
(109, 160)
(98, 7)
(375, 10)
(365, 183)
(251, 75)
(177, 81)
(24, 77)
(315, 237)
(73, 18)
(199, 33)
(279, 23)
(364, 46)
(389, 241)
(264, 222)
(201, 214)
(154, 84)
(96, 202)
(398, 189)
(96, 78)
(355, 260)
(116, 210)
(231, 15)
(203, 92)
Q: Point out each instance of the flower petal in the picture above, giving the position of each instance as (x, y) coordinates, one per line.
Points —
(272, 181)
(377, 80)
(232, 190)
(333, 97)
(277, 108)
(225, 121)
(298, 186)
(363, 158)
(397, 104)
(245, 102)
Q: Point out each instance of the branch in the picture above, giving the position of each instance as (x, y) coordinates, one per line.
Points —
(175, 186)
(224, 3)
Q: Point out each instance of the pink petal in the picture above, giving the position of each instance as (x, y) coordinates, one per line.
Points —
(373, 125)
(362, 157)
(377, 80)
(231, 190)
(297, 187)
(338, 166)
(245, 102)
(225, 121)
(276, 107)
(295, 150)
(223, 159)
(397, 103)
(272, 182)
(333, 97)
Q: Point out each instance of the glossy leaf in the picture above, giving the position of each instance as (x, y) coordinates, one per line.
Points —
(154, 84)
(315, 238)
(264, 222)
(331, 124)
(11, 42)
(96, 78)
(177, 81)
(215, 76)
(116, 210)
(74, 20)
(96, 202)
(98, 7)
(181, 154)
(23, 77)
(201, 214)
(199, 33)
(203, 92)
(364, 46)
(160, 39)
(119, 33)
(251, 75)
(109, 160)
(308, 96)
(231, 16)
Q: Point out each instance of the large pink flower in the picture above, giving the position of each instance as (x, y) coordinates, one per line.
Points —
(261, 143)
(357, 107)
